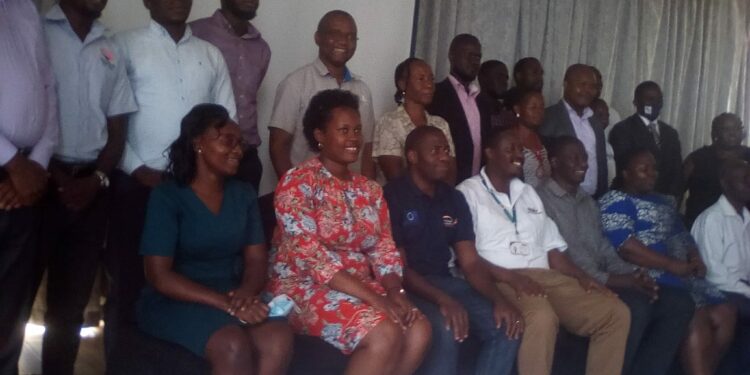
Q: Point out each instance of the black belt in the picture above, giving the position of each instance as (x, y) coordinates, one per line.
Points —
(74, 170)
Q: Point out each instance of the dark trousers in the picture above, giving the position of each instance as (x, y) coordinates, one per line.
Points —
(18, 261)
(72, 244)
(497, 352)
(656, 329)
(740, 352)
(123, 263)
(250, 169)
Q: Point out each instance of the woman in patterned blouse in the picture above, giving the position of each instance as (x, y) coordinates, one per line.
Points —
(333, 252)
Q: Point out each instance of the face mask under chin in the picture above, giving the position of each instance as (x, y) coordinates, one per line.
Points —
(650, 112)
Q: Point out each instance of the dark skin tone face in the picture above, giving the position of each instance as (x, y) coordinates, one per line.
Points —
(505, 157)
(169, 12)
(88, 8)
(639, 177)
(531, 110)
(736, 184)
(580, 88)
(728, 133)
(649, 97)
(337, 40)
(495, 81)
(220, 149)
(430, 159)
(419, 86)
(569, 166)
(531, 76)
(465, 60)
(601, 113)
(340, 140)
(243, 9)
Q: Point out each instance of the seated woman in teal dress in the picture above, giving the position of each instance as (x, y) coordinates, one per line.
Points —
(647, 231)
(204, 255)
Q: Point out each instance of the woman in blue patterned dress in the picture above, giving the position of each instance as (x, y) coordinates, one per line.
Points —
(647, 231)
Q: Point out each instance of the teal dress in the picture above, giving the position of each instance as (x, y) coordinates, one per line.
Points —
(207, 248)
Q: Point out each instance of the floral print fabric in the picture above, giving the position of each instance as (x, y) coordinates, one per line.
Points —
(326, 225)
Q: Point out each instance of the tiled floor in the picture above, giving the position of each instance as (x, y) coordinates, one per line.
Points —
(90, 360)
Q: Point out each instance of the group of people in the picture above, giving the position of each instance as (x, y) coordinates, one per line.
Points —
(500, 221)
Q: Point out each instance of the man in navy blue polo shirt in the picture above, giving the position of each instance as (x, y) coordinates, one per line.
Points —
(431, 222)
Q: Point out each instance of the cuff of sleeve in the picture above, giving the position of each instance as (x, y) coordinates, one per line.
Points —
(7, 151)
(601, 277)
(41, 155)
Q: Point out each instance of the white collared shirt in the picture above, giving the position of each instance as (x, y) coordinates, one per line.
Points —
(585, 133)
(495, 231)
(723, 239)
(647, 123)
(168, 80)
(92, 85)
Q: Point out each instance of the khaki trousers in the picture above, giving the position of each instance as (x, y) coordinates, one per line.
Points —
(602, 318)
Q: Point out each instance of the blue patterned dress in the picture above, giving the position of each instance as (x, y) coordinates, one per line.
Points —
(653, 220)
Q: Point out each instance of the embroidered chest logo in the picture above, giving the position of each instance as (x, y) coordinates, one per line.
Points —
(449, 221)
(412, 217)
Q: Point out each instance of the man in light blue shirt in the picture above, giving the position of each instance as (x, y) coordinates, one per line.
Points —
(94, 97)
(170, 71)
(28, 135)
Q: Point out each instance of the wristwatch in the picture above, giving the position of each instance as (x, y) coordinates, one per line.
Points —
(103, 179)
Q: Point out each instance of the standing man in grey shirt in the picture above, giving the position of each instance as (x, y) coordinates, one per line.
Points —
(659, 315)
(28, 135)
(336, 38)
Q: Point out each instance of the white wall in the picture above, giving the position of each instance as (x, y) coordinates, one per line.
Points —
(384, 30)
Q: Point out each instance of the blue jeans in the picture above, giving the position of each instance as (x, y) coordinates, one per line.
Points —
(497, 353)
(656, 329)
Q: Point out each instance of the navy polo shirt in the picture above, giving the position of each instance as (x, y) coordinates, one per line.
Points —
(426, 227)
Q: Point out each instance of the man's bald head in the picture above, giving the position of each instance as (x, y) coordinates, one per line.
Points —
(328, 17)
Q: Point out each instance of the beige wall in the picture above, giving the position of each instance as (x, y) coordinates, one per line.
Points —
(288, 25)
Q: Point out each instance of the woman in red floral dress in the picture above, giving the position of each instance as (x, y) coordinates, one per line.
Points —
(333, 251)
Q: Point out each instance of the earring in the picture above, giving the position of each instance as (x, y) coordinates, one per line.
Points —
(200, 150)
(320, 146)
(518, 115)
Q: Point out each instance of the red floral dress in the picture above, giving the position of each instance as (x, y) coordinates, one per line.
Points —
(326, 225)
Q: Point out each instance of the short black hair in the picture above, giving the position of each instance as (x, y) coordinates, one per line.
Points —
(726, 116)
(495, 135)
(182, 156)
(462, 39)
(623, 161)
(403, 71)
(643, 86)
(524, 94)
(575, 68)
(334, 13)
(488, 65)
(320, 110)
(730, 165)
(416, 136)
(557, 144)
(521, 64)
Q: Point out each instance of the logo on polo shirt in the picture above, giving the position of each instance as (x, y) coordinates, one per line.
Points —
(412, 217)
(449, 221)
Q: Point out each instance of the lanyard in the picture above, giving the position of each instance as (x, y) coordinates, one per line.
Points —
(510, 215)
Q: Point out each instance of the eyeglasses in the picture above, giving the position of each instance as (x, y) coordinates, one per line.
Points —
(230, 141)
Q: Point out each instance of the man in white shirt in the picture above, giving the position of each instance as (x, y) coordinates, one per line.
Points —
(170, 71)
(722, 233)
(513, 231)
(336, 38)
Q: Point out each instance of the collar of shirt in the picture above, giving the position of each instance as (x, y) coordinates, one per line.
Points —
(728, 210)
(517, 187)
(441, 189)
(647, 123)
(557, 190)
(159, 30)
(323, 71)
(587, 112)
(56, 15)
(219, 19)
(473, 89)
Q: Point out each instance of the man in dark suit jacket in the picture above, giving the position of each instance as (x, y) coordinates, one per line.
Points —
(455, 100)
(644, 130)
(579, 92)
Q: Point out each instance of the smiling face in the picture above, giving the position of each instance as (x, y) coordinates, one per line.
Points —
(505, 156)
(220, 149)
(341, 138)
(727, 132)
(336, 39)
(640, 174)
(530, 110)
(419, 87)
(580, 87)
(570, 164)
